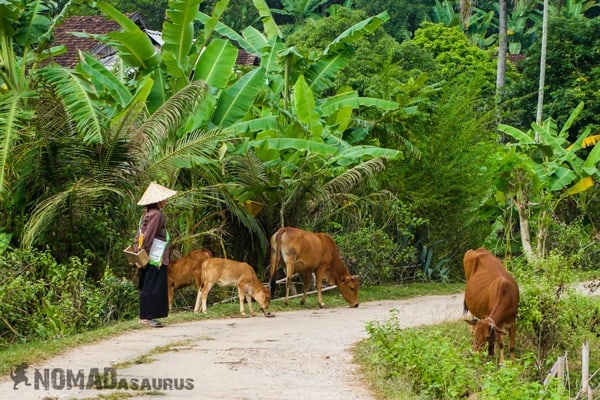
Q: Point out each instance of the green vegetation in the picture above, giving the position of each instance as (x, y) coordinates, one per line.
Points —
(436, 361)
(380, 122)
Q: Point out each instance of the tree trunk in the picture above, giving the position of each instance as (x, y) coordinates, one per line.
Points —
(542, 235)
(521, 201)
(522, 208)
(540, 104)
(502, 51)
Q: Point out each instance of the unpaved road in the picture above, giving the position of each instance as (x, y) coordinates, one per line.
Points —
(296, 355)
(299, 355)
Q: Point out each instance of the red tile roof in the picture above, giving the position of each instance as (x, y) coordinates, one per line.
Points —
(95, 24)
(245, 58)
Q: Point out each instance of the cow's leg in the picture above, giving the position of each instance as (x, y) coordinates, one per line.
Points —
(511, 340)
(198, 280)
(204, 293)
(289, 271)
(501, 347)
(241, 296)
(198, 300)
(306, 284)
(319, 283)
(249, 301)
(171, 290)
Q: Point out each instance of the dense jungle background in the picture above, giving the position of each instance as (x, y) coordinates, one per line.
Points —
(409, 131)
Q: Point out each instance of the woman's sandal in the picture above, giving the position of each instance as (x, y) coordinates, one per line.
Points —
(151, 323)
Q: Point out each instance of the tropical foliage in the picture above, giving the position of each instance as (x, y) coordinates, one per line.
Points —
(363, 120)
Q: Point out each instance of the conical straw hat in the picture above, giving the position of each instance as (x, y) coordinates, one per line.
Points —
(155, 193)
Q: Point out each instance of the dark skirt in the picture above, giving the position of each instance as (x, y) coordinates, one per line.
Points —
(154, 296)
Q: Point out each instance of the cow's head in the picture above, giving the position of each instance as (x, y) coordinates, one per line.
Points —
(348, 287)
(484, 331)
(263, 298)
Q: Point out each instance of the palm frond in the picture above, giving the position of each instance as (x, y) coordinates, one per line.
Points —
(62, 210)
(197, 148)
(79, 100)
(172, 113)
(11, 123)
(354, 176)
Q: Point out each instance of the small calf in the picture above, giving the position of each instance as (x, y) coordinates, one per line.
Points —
(233, 273)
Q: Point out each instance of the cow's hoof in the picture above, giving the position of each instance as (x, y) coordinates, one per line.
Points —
(269, 315)
(354, 306)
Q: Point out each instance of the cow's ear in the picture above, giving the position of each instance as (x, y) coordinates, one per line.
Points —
(501, 331)
(471, 321)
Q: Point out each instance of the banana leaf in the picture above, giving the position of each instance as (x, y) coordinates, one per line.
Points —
(280, 144)
(351, 99)
(521, 137)
(103, 79)
(216, 63)
(269, 59)
(582, 185)
(304, 106)
(132, 44)
(178, 30)
(269, 25)
(593, 157)
(254, 125)
(235, 101)
(353, 154)
(322, 73)
(561, 178)
(255, 38)
(227, 32)
(356, 31)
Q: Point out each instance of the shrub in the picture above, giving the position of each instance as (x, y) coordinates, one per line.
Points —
(372, 254)
(438, 362)
(556, 319)
(41, 298)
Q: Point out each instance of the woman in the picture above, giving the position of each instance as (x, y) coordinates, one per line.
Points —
(153, 237)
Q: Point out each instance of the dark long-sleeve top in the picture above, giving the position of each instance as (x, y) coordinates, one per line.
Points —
(153, 225)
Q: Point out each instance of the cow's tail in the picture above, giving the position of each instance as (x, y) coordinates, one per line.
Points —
(275, 259)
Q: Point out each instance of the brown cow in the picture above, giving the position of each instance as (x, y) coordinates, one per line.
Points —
(308, 253)
(492, 296)
(233, 273)
(187, 271)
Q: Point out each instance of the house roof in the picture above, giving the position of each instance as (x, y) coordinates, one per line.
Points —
(94, 24)
(245, 58)
(516, 58)
(98, 25)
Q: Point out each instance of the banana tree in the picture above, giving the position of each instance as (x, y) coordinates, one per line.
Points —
(293, 123)
(274, 112)
(556, 166)
(25, 31)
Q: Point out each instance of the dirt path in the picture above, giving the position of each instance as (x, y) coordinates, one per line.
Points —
(296, 355)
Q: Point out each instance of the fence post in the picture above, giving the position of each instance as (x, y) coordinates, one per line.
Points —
(585, 370)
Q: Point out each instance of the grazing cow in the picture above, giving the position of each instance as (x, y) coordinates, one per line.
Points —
(308, 253)
(233, 273)
(187, 271)
(492, 296)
